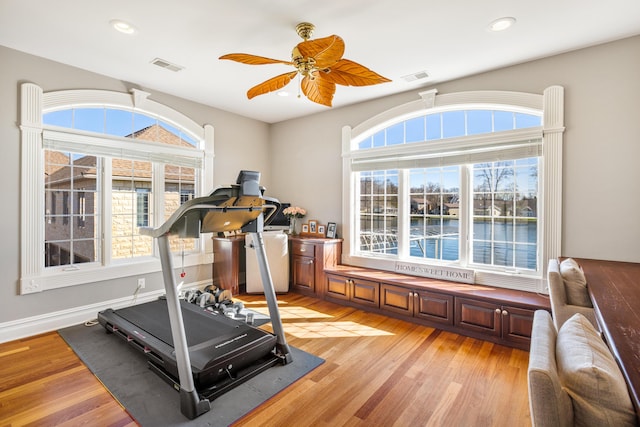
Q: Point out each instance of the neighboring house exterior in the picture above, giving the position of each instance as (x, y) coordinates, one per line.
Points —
(421, 206)
(72, 196)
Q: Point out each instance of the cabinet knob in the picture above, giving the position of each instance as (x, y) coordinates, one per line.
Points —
(498, 311)
(505, 312)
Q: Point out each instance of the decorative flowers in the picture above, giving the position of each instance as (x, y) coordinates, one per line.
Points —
(294, 212)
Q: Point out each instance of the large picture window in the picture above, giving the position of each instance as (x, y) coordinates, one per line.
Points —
(106, 167)
(459, 184)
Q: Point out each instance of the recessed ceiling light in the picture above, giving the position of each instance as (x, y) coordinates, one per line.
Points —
(122, 26)
(283, 93)
(502, 24)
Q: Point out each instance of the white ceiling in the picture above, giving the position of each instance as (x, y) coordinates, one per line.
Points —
(446, 38)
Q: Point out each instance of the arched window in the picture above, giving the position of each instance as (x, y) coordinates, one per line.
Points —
(104, 164)
(458, 185)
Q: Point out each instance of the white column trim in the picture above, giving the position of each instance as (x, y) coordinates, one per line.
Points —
(347, 204)
(553, 131)
(32, 228)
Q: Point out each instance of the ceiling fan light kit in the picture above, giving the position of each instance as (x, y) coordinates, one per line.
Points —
(319, 62)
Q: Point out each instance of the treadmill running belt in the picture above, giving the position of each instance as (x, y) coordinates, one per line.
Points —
(216, 343)
(153, 317)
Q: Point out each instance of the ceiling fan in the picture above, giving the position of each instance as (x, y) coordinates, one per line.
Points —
(320, 63)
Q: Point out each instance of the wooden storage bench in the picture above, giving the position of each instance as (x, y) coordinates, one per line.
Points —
(498, 315)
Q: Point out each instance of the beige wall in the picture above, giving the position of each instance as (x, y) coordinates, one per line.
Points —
(301, 163)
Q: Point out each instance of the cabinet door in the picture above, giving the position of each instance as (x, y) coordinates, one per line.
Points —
(433, 306)
(478, 316)
(365, 292)
(516, 324)
(396, 299)
(228, 263)
(303, 274)
(338, 287)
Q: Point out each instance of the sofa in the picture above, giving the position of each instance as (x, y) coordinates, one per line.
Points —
(568, 293)
(573, 378)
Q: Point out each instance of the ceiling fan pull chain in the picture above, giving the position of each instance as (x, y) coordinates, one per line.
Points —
(299, 86)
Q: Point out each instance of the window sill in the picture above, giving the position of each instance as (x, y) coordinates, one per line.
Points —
(530, 282)
(91, 274)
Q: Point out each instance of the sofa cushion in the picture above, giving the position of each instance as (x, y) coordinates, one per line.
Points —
(549, 403)
(575, 283)
(591, 376)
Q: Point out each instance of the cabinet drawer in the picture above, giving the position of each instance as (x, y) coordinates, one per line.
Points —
(478, 316)
(434, 306)
(395, 298)
(303, 249)
(338, 287)
(365, 292)
(517, 324)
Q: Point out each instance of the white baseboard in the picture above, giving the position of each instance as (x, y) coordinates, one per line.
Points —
(34, 325)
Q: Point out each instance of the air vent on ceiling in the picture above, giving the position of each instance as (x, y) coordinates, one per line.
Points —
(420, 75)
(166, 64)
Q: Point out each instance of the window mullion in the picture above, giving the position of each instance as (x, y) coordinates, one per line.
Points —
(157, 190)
(404, 209)
(466, 213)
(105, 230)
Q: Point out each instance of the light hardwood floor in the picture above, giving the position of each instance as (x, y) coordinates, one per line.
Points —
(379, 371)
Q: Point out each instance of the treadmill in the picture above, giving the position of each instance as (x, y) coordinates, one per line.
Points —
(201, 352)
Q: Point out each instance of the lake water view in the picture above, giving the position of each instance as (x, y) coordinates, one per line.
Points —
(512, 244)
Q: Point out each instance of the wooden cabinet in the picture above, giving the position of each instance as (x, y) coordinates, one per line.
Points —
(358, 291)
(303, 261)
(432, 306)
(503, 316)
(517, 324)
(229, 263)
(509, 323)
(309, 258)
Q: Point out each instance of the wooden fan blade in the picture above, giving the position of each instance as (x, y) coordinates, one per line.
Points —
(326, 51)
(317, 89)
(275, 83)
(348, 73)
(247, 58)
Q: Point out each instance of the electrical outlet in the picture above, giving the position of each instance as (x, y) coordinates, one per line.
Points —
(141, 283)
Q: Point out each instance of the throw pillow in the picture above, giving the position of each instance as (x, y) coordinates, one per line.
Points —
(575, 283)
(591, 376)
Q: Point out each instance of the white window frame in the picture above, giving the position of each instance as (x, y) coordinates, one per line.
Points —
(34, 277)
(549, 104)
